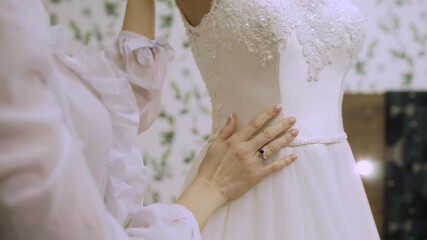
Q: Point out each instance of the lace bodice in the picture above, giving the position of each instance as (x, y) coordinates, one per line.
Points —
(252, 36)
(256, 25)
(253, 54)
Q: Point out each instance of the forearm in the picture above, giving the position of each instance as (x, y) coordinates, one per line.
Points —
(202, 199)
(140, 17)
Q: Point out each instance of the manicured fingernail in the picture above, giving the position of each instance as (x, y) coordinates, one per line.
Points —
(277, 108)
(229, 118)
(292, 120)
(294, 157)
(294, 132)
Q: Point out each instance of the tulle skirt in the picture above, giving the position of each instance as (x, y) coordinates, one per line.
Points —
(319, 197)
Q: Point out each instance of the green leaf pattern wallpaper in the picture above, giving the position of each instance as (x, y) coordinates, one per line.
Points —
(394, 58)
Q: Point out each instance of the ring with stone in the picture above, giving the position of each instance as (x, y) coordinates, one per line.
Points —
(262, 153)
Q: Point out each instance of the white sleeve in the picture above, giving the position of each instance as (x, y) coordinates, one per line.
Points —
(152, 221)
(46, 189)
(145, 64)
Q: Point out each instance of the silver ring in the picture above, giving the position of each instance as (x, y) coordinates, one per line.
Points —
(262, 153)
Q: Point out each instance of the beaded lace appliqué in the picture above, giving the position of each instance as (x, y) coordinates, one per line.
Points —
(256, 25)
(321, 25)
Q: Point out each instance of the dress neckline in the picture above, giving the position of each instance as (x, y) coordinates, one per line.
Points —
(203, 20)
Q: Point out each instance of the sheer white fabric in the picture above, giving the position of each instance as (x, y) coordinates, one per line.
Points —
(68, 166)
(253, 54)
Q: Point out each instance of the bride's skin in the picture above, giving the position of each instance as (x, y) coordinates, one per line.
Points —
(140, 17)
(232, 164)
(194, 10)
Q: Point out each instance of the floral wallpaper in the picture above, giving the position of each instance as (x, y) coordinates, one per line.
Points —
(395, 53)
(93, 23)
(394, 57)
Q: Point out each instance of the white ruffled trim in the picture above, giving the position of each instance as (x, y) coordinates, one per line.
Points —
(127, 176)
(189, 217)
(148, 53)
(166, 222)
(146, 48)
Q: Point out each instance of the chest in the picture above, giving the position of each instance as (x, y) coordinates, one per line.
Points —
(255, 26)
(277, 19)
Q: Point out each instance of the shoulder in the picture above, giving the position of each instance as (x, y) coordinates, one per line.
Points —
(194, 10)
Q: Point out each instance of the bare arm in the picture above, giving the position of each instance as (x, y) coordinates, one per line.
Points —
(140, 17)
(194, 10)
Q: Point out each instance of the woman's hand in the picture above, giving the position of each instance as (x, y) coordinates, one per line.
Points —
(233, 163)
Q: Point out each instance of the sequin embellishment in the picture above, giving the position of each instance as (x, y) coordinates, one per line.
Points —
(321, 25)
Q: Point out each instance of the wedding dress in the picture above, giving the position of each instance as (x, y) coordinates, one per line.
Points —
(257, 53)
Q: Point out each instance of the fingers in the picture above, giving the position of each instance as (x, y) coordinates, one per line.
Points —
(273, 147)
(257, 122)
(278, 165)
(270, 133)
(280, 142)
(228, 130)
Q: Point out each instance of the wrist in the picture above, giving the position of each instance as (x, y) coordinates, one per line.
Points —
(212, 190)
(202, 198)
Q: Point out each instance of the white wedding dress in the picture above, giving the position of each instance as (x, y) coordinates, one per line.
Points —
(256, 53)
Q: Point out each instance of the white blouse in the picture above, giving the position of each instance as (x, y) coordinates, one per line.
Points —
(68, 165)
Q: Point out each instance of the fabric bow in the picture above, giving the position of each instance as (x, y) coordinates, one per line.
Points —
(147, 49)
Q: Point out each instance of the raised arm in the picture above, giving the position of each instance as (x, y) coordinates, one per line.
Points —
(140, 17)
(142, 57)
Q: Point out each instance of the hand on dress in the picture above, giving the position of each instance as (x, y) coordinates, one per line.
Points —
(233, 163)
